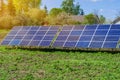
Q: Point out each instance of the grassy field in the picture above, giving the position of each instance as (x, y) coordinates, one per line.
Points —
(17, 64)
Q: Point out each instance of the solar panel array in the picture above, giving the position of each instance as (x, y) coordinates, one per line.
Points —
(30, 36)
(89, 36)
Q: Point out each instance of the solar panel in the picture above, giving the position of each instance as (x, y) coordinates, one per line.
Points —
(68, 36)
(31, 36)
(89, 36)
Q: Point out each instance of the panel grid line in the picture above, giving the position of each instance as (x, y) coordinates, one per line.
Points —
(68, 35)
(24, 35)
(106, 36)
(15, 35)
(80, 35)
(93, 35)
(44, 36)
(33, 36)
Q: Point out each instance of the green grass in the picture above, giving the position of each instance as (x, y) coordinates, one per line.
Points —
(19, 64)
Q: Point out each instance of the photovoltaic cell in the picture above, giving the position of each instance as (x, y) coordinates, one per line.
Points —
(96, 44)
(91, 27)
(24, 43)
(110, 45)
(61, 38)
(98, 38)
(70, 44)
(5, 42)
(34, 43)
(15, 42)
(82, 44)
(117, 27)
(85, 38)
(88, 32)
(101, 32)
(76, 33)
(103, 27)
(58, 44)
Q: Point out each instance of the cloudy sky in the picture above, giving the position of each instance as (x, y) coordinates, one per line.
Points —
(108, 8)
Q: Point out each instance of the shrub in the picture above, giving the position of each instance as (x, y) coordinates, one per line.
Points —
(6, 22)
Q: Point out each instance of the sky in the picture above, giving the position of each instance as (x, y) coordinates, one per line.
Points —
(107, 8)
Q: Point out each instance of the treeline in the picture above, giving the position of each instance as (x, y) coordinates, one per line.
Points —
(28, 13)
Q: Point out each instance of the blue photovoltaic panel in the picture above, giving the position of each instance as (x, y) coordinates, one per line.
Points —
(98, 38)
(15, 42)
(73, 38)
(31, 36)
(114, 32)
(112, 38)
(85, 38)
(103, 27)
(115, 27)
(49, 36)
(96, 45)
(58, 44)
(24, 43)
(45, 43)
(63, 36)
(70, 44)
(90, 27)
(34, 43)
(34, 28)
(89, 36)
(64, 33)
(77, 33)
(82, 44)
(101, 32)
(38, 38)
(5, 42)
(110, 45)
(88, 32)
(68, 36)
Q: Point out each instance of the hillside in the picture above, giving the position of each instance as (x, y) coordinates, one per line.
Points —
(19, 64)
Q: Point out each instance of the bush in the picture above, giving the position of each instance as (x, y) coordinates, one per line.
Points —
(6, 22)
(37, 16)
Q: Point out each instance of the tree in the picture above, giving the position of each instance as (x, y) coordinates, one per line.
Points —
(34, 3)
(69, 7)
(94, 19)
(45, 8)
(102, 19)
(55, 11)
(90, 19)
(2, 7)
(23, 6)
(37, 16)
(82, 12)
(11, 8)
(118, 14)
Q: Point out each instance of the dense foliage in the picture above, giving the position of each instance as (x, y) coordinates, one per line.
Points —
(28, 13)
